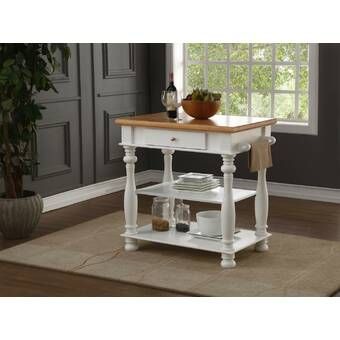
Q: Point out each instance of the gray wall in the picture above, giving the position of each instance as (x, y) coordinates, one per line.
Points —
(298, 159)
(77, 139)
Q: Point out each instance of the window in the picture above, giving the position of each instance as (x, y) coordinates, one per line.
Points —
(259, 79)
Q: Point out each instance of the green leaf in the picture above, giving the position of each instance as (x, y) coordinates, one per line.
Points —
(8, 63)
(20, 58)
(7, 104)
(27, 73)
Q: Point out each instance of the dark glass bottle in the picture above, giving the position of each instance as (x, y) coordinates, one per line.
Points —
(172, 96)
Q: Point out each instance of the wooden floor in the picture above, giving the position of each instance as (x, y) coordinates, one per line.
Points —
(299, 217)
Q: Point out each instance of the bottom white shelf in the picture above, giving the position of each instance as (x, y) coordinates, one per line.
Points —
(243, 239)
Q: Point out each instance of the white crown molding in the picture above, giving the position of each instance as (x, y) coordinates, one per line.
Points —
(103, 188)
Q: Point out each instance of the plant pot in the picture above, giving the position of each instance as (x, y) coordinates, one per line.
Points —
(20, 216)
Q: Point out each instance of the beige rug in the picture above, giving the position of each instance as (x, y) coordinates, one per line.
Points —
(294, 266)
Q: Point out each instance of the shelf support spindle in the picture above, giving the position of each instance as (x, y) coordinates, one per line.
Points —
(261, 210)
(168, 177)
(130, 198)
(228, 213)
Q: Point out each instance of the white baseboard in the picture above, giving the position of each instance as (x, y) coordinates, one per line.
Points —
(91, 191)
(103, 188)
(294, 190)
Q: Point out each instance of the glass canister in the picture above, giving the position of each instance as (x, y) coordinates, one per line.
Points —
(182, 215)
(160, 214)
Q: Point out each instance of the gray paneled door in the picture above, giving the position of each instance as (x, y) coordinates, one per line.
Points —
(65, 129)
(77, 141)
(120, 89)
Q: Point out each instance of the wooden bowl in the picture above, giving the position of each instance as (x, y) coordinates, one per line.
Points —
(199, 109)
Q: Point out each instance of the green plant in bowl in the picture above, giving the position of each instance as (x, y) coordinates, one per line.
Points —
(201, 104)
(203, 95)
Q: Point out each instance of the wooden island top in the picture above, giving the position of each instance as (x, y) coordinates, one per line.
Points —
(217, 123)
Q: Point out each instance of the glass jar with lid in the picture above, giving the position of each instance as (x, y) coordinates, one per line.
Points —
(182, 215)
(160, 214)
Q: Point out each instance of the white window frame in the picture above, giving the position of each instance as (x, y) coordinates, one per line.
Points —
(175, 63)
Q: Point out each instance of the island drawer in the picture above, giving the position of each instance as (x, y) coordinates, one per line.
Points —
(172, 138)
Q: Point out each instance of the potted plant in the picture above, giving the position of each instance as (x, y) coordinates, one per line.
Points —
(25, 70)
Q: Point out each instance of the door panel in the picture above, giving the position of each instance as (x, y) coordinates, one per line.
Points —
(58, 136)
(58, 150)
(59, 141)
(65, 78)
(121, 89)
(118, 61)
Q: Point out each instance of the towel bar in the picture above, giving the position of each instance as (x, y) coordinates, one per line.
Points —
(244, 147)
(271, 139)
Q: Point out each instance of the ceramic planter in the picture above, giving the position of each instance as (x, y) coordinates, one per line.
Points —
(20, 216)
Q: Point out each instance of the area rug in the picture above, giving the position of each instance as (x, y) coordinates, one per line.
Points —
(294, 265)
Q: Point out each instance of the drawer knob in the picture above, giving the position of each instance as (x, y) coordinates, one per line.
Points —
(173, 139)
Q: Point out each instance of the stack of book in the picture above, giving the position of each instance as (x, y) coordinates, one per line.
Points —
(194, 181)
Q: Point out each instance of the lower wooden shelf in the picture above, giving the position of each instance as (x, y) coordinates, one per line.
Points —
(243, 239)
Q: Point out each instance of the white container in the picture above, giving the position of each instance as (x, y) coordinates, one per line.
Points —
(209, 222)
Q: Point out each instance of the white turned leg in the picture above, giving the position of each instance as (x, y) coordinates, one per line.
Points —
(228, 260)
(168, 177)
(228, 212)
(261, 210)
(130, 199)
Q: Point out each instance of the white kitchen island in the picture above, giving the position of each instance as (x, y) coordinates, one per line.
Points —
(223, 135)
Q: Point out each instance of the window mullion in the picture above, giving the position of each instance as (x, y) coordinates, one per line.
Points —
(297, 80)
(250, 72)
(228, 80)
(185, 63)
(205, 66)
(272, 96)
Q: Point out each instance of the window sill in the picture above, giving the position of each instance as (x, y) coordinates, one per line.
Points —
(296, 128)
